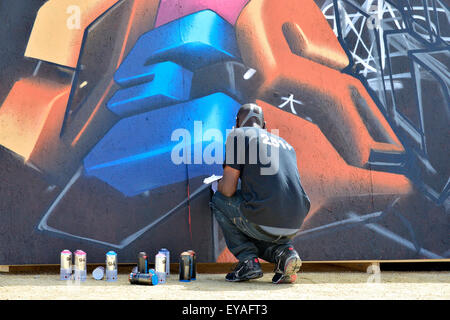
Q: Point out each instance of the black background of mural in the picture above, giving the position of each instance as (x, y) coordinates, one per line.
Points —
(93, 209)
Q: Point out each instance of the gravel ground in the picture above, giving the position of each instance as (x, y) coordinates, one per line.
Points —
(309, 285)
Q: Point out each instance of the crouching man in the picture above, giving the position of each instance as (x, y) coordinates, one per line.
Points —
(261, 218)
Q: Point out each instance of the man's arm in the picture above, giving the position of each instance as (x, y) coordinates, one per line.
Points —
(228, 184)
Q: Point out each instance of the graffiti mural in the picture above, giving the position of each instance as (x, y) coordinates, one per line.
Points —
(93, 93)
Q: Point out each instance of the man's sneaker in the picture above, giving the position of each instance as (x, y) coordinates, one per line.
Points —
(245, 270)
(287, 264)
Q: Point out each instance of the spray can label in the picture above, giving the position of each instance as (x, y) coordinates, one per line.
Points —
(80, 265)
(167, 254)
(193, 265)
(150, 278)
(160, 267)
(111, 266)
(185, 266)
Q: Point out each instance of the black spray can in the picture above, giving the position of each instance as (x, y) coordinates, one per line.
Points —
(149, 279)
(185, 266)
(193, 264)
(142, 262)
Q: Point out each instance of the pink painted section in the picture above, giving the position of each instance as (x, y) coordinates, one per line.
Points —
(170, 10)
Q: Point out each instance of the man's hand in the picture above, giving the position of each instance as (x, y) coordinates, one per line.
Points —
(228, 184)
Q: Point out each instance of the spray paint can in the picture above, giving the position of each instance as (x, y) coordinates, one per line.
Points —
(142, 262)
(155, 279)
(111, 266)
(65, 271)
(98, 273)
(150, 279)
(160, 267)
(80, 265)
(166, 252)
(193, 264)
(185, 266)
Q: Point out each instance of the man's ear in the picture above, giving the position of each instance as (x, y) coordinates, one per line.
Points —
(264, 125)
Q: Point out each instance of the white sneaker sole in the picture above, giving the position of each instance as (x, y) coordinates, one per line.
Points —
(291, 268)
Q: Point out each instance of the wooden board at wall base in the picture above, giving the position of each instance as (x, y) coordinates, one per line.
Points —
(54, 268)
(307, 266)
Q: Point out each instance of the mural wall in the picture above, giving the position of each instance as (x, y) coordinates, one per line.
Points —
(92, 92)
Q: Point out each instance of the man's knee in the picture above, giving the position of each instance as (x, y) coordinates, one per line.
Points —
(216, 204)
(218, 201)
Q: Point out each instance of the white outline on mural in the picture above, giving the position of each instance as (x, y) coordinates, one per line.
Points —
(43, 226)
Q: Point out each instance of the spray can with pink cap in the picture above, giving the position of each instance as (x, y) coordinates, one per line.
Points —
(79, 270)
(65, 271)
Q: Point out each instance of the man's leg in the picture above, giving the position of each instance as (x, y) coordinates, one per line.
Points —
(247, 243)
(266, 250)
(227, 213)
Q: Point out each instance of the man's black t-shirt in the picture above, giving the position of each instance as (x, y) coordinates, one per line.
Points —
(270, 182)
